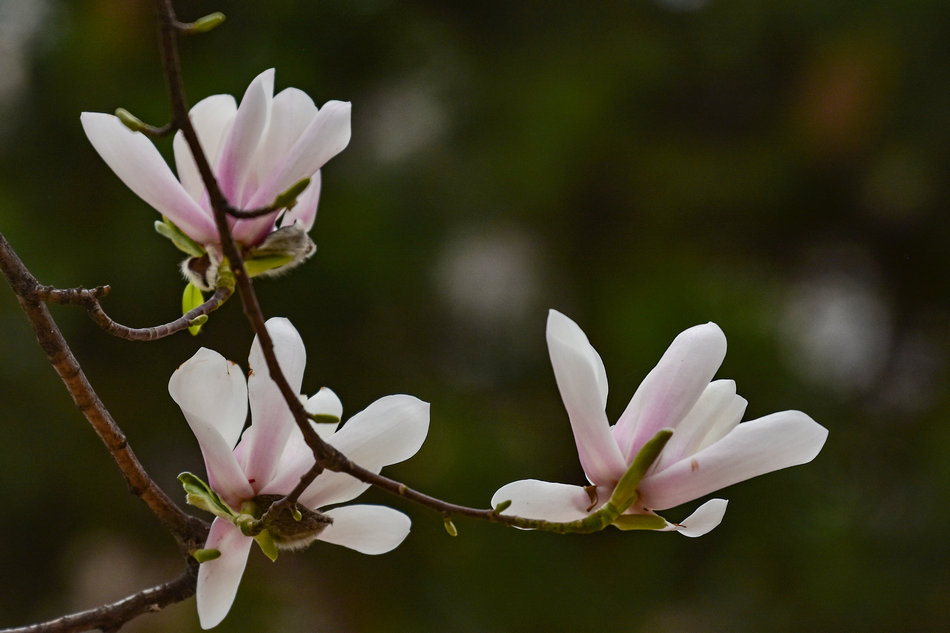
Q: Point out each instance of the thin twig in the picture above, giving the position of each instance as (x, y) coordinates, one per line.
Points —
(89, 299)
(326, 456)
(188, 530)
(111, 617)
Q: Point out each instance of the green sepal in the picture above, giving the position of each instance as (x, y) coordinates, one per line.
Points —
(267, 545)
(182, 242)
(288, 199)
(504, 505)
(205, 24)
(625, 493)
(191, 299)
(200, 495)
(204, 555)
(639, 522)
(259, 265)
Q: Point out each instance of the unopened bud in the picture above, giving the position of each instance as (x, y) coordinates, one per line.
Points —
(450, 526)
(130, 121)
(204, 555)
(204, 24)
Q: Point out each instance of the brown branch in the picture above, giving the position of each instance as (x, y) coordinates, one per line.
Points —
(89, 299)
(189, 531)
(111, 617)
(326, 456)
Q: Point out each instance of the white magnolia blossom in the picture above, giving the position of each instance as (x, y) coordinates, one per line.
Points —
(257, 151)
(709, 448)
(271, 455)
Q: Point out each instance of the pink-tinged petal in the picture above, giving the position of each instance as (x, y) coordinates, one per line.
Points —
(672, 388)
(212, 395)
(291, 113)
(211, 118)
(582, 381)
(388, 431)
(138, 164)
(250, 122)
(297, 457)
(717, 412)
(365, 528)
(704, 520)
(325, 137)
(305, 211)
(271, 419)
(545, 500)
(776, 441)
(218, 579)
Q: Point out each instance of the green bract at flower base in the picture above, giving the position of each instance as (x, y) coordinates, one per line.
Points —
(625, 495)
(709, 448)
(191, 299)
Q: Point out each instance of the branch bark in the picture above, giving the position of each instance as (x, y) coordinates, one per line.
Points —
(111, 617)
(189, 531)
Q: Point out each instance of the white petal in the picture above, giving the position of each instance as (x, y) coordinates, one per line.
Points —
(325, 402)
(218, 579)
(545, 500)
(210, 117)
(704, 520)
(582, 381)
(250, 122)
(291, 113)
(366, 529)
(138, 164)
(388, 431)
(326, 136)
(672, 388)
(776, 441)
(271, 419)
(212, 395)
(717, 412)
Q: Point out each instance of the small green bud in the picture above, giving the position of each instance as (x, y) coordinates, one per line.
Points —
(504, 505)
(204, 555)
(324, 418)
(203, 24)
(130, 121)
(450, 526)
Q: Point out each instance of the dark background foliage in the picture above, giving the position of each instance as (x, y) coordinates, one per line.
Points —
(776, 167)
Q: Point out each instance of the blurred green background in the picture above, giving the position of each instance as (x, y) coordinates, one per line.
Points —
(642, 166)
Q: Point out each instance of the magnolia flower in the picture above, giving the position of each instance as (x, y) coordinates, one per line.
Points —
(258, 151)
(271, 456)
(708, 449)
